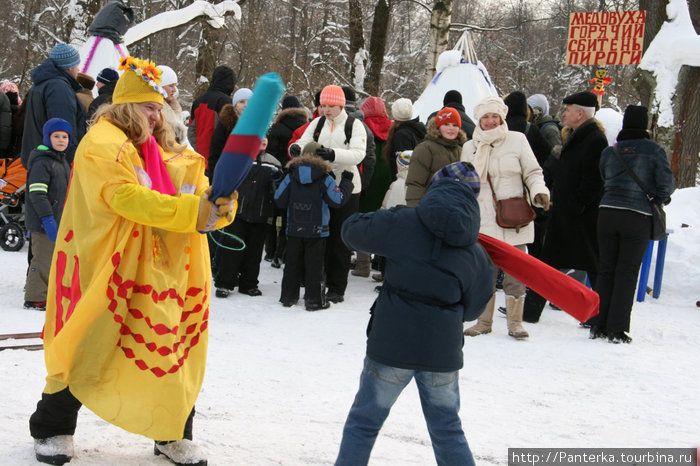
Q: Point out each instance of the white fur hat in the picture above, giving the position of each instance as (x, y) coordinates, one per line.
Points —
(490, 104)
(169, 76)
(402, 110)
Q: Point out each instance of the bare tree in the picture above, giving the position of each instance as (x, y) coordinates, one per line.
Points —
(440, 17)
(377, 46)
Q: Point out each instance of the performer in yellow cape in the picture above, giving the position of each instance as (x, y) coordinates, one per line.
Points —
(128, 300)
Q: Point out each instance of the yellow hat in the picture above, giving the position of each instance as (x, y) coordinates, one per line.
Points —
(140, 82)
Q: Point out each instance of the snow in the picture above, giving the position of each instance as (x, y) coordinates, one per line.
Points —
(612, 121)
(280, 381)
(676, 44)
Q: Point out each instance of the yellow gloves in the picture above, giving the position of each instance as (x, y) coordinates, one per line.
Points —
(210, 213)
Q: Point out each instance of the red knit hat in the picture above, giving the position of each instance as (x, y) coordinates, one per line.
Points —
(448, 115)
(332, 95)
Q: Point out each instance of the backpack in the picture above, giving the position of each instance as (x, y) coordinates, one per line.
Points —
(348, 128)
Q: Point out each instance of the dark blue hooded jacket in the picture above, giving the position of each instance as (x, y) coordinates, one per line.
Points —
(436, 277)
(52, 96)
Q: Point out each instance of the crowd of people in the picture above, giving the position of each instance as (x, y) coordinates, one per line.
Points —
(340, 181)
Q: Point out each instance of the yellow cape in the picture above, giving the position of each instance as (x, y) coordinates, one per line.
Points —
(128, 300)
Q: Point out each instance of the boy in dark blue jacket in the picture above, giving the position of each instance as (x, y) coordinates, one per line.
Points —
(48, 173)
(306, 192)
(436, 277)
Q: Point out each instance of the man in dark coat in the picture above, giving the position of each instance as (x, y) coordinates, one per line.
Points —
(571, 240)
(54, 96)
(206, 108)
(291, 116)
(106, 81)
(437, 276)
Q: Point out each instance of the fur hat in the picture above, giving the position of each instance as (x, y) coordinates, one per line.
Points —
(290, 102)
(448, 115)
(86, 81)
(332, 95)
(636, 117)
(402, 110)
(51, 126)
(241, 94)
(64, 56)
(310, 148)
(403, 158)
(539, 101)
(460, 171)
(350, 96)
(139, 83)
(490, 104)
(452, 97)
(169, 76)
(107, 75)
(584, 99)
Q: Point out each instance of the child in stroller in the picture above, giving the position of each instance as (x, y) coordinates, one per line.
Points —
(13, 184)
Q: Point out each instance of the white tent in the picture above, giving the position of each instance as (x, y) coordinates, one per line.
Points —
(457, 69)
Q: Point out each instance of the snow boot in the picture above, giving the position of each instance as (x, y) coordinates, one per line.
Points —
(514, 314)
(483, 324)
(182, 452)
(54, 450)
(362, 265)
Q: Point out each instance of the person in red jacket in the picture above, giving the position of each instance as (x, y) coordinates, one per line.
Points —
(206, 108)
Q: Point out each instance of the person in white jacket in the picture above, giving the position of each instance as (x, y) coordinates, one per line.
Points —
(343, 153)
(505, 159)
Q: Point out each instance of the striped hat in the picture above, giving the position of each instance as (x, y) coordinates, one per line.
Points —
(64, 56)
(332, 95)
(403, 158)
(460, 171)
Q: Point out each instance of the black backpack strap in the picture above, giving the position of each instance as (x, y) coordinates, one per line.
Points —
(319, 127)
(348, 128)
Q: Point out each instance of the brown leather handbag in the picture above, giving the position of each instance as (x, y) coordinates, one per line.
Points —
(514, 212)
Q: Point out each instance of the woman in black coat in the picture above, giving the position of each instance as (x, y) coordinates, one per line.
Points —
(624, 220)
(405, 134)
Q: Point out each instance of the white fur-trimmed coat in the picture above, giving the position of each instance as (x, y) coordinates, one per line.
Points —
(511, 164)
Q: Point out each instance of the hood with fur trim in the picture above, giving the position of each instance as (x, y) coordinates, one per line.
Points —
(434, 135)
(228, 117)
(319, 167)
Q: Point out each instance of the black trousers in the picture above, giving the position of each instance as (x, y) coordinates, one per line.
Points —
(277, 239)
(57, 414)
(337, 254)
(623, 237)
(241, 268)
(303, 258)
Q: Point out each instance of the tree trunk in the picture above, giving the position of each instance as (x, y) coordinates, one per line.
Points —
(440, 18)
(207, 57)
(377, 47)
(357, 39)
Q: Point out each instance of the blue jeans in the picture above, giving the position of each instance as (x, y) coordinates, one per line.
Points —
(380, 386)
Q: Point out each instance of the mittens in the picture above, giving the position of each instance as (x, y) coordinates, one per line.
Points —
(326, 153)
(50, 227)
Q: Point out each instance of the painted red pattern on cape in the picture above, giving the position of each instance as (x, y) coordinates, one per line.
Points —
(72, 292)
(120, 289)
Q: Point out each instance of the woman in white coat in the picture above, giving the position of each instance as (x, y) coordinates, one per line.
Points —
(505, 158)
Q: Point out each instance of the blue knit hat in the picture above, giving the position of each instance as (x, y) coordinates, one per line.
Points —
(241, 94)
(460, 171)
(64, 56)
(53, 125)
(107, 75)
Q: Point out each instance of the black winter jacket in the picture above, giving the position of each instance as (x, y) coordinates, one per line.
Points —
(406, 137)
(281, 132)
(48, 173)
(256, 192)
(104, 96)
(52, 96)
(436, 277)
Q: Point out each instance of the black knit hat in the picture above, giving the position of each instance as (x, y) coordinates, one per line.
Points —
(317, 99)
(452, 97)
(350, 96)
(636, 117)
(584, 99)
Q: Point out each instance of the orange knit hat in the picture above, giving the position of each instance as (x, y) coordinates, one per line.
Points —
(448, 115)
(332, 95)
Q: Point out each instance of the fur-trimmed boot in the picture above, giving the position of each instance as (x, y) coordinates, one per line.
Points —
(483, 324)
(182, 452)
(514, 315)
(362, 265)
(56, 450)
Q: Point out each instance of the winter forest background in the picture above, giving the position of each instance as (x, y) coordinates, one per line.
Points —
(380, 47)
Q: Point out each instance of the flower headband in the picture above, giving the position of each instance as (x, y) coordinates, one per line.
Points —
(148, 71)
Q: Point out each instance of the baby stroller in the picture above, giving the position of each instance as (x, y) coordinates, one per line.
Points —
(13, 184)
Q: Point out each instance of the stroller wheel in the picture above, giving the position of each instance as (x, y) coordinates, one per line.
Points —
(11, 236)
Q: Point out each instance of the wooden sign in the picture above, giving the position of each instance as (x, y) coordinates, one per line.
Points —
(605, 38)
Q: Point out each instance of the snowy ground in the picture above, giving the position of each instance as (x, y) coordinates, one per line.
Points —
(280, 381)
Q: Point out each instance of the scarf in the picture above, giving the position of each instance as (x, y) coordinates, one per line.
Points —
(379, 126)
(484, 141)
(155, 167)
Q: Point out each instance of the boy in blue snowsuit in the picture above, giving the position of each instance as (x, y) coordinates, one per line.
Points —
(436, 277)
(306, 192)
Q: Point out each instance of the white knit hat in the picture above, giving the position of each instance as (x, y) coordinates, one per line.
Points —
(490, 104)
(168, 77)
(402, 110)
(539, 101)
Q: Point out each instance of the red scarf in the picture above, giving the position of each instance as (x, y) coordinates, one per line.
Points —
(155, 167)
